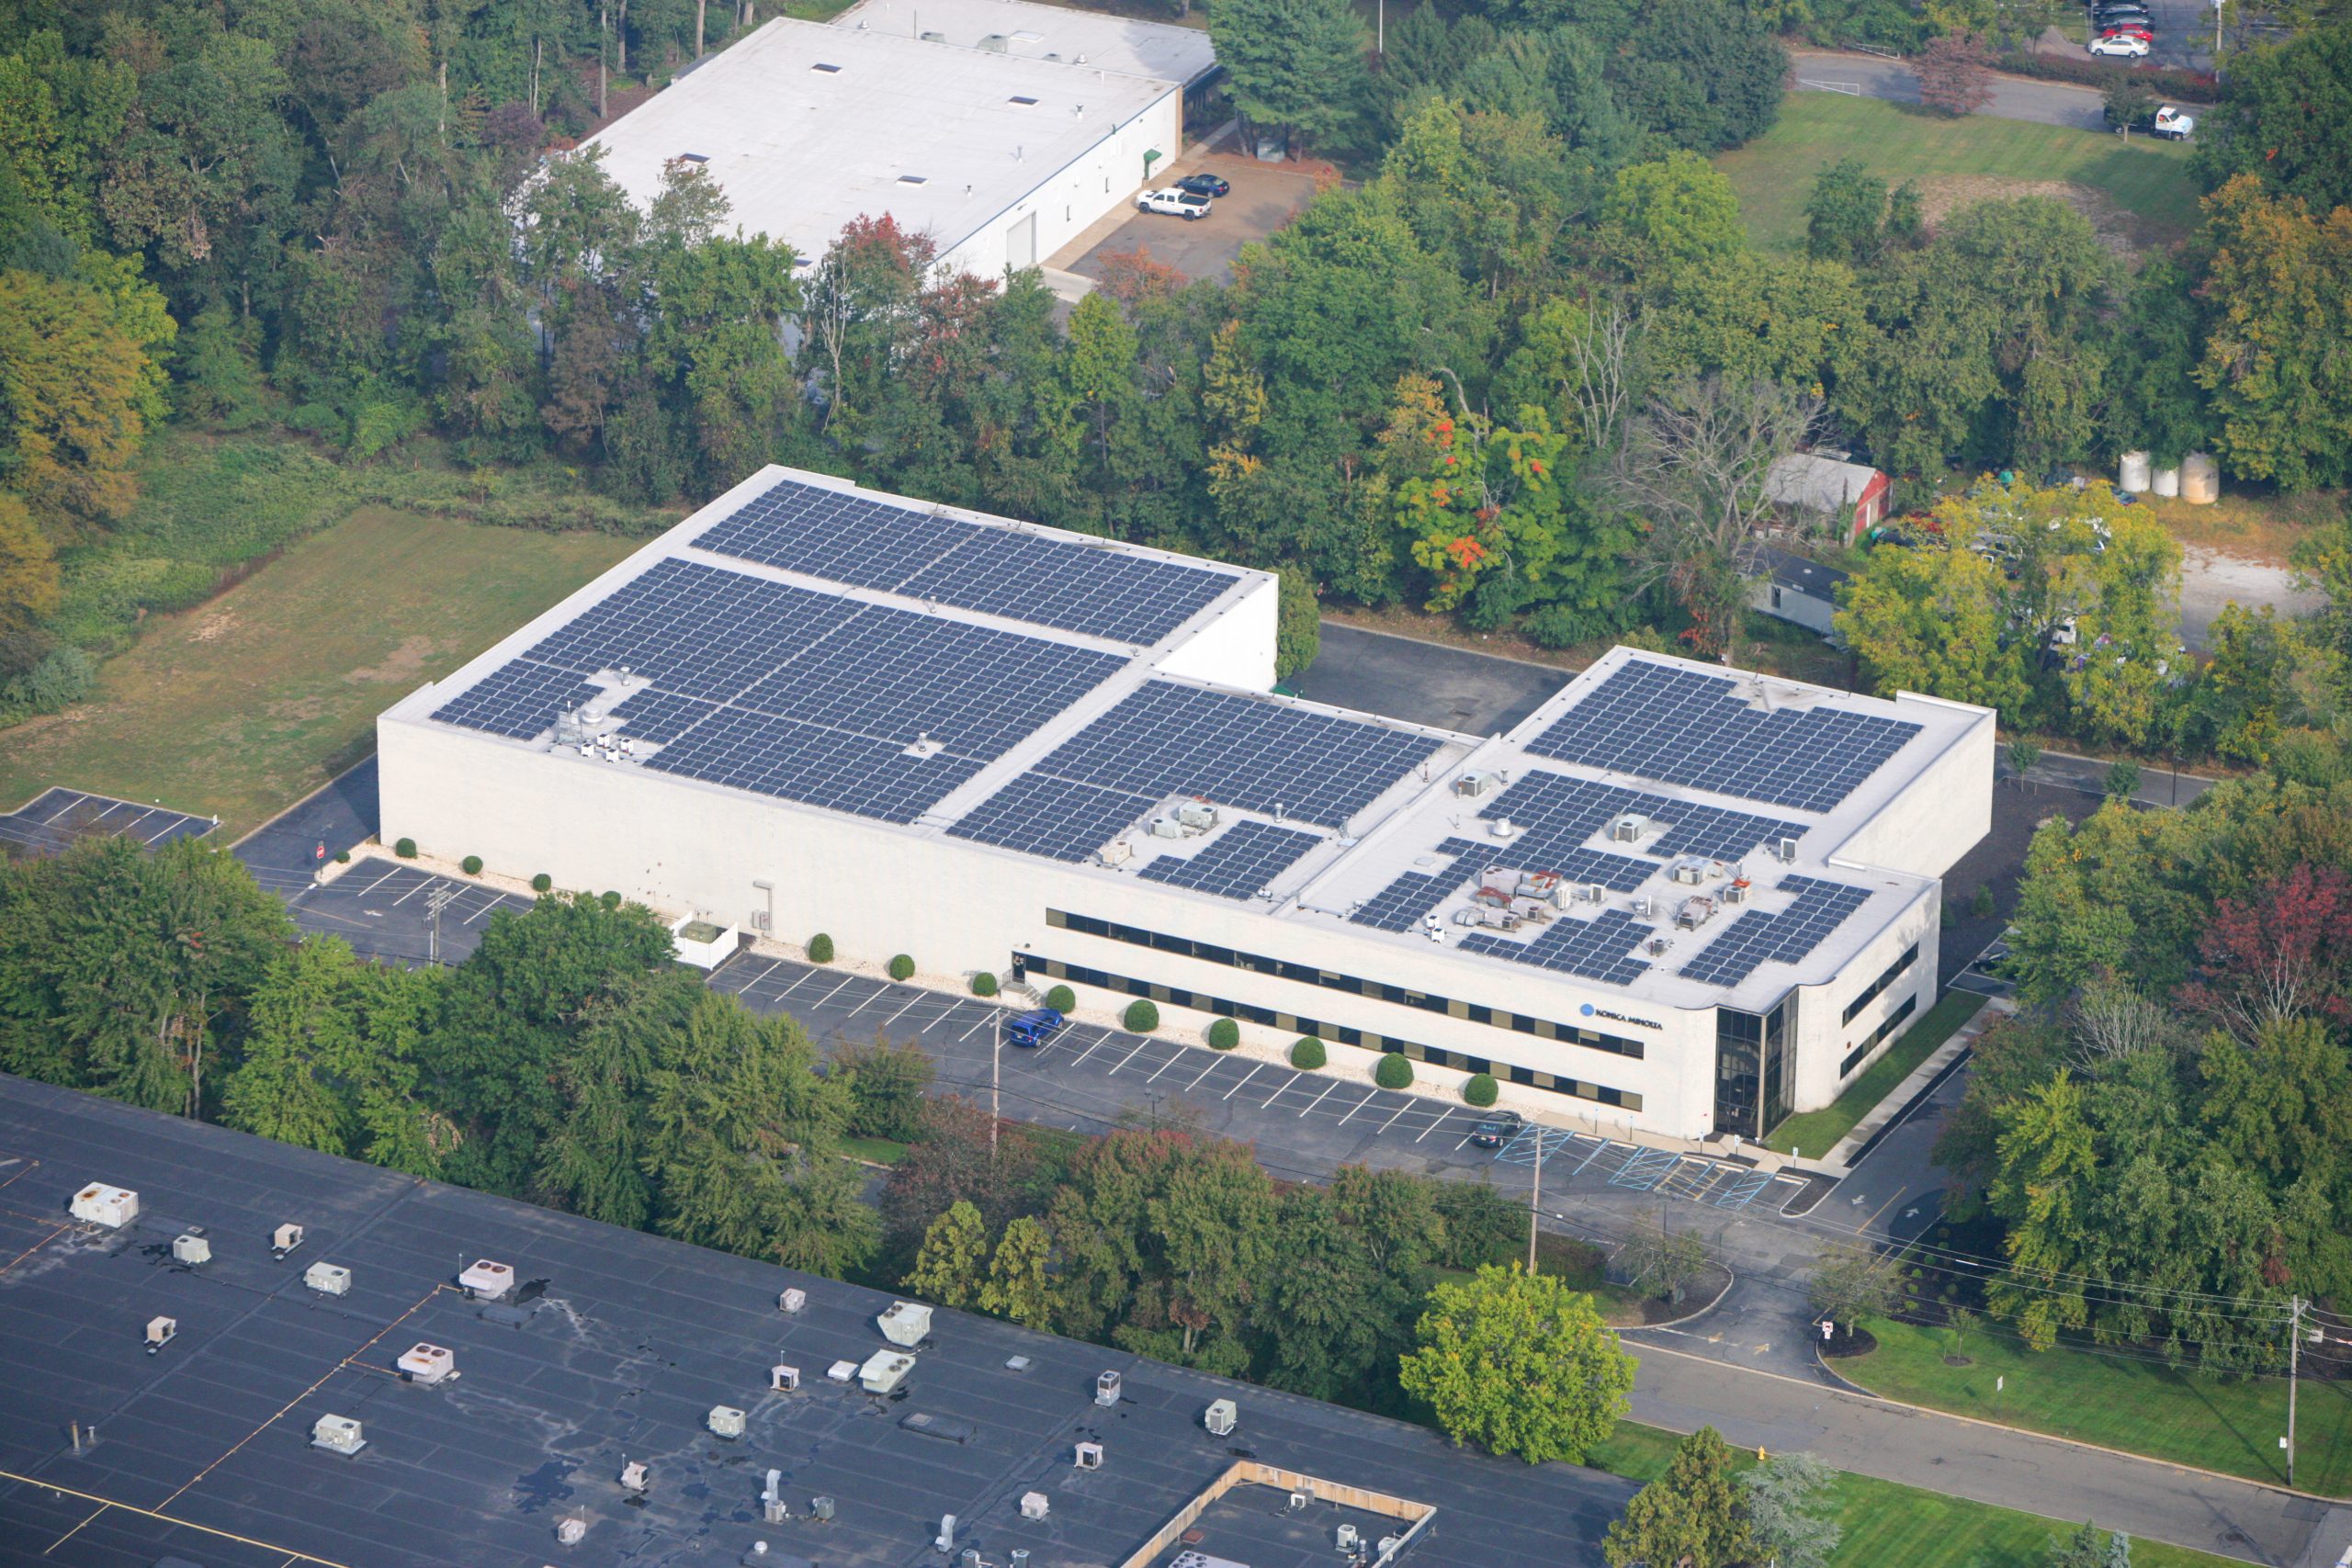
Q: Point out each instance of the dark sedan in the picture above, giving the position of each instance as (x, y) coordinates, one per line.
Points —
(1203, 184)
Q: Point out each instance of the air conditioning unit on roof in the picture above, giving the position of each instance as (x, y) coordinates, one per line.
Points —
(338, 1435)
(486, 1280)
(1785, 850)
(1627, 829)
(192, 1249)
(285, 1239)
(427, 1364)
(99, 1204)
(906, 1323)
(328, 1279)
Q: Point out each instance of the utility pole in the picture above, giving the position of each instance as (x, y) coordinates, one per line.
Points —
(1535, 1203)
(437, 901)
(996, 1080)
(2294, 1357)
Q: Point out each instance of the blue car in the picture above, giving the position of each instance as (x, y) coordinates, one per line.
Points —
(1033, 1027)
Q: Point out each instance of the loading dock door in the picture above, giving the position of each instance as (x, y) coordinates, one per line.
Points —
(1021, 243)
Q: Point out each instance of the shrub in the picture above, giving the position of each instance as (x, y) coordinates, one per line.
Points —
(542, 883)
(1393, 1072)
(405, 849)
(1479, 1090)
(2123, 780)
(821, 948)
(902, 967)
(983, 984)
(1141, 1017)
(1224, 1035)
(470, 865)
(1062, 1000)
(611, 900)
(1307, 1055)
(343, 858)
(1980, 903)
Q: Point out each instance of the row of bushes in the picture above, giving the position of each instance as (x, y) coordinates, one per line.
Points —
(2164, 81)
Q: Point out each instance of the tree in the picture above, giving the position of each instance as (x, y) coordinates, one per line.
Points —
(1955, 74)
(2122, 780)
(1294, 64)
(2084, 1548)
(1691, 1516)
(887, 1084)
(952, 1266)
(1845, 214)
(1518, 1364)
(2043, 1187)
(1850, 1284)
(2129, 103)
(950, 1161)
(2283, 952)
(1930, 619)
(1747, 316)
(1018, 1285)
(1664, 1259)
(1473, 500)
(2285, 119)
(2279, 290)
(1784, 1495)
(71, 387)
(1324, 1328)
(1299, 629)
(1672, 213)
(29, 586)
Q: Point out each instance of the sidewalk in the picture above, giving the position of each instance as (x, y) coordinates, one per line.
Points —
(1842, 1157)
(2063, 1481)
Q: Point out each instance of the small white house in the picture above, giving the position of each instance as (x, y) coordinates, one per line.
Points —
(1801, 592)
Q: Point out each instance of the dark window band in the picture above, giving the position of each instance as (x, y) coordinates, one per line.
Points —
(1894, 1020)
(1877, 987)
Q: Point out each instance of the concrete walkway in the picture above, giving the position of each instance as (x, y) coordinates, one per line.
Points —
(2061, 1481)
(1840, 1161)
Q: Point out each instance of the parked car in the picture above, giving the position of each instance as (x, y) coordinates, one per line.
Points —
(1178, 203)
(2172, 123)
(2107, 16)
(1203, 184)
(2124, 46)
(1033, 1027)
(1493, 1133)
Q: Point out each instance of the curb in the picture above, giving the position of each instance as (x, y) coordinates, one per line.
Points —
(1731, 1278)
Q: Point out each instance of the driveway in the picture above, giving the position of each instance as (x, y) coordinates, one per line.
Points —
(2014, 97)
(1264, 198)
(2210, 579)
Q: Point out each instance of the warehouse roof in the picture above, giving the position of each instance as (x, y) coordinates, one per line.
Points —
(1025, 31)
(614, 1351)
(806, 126)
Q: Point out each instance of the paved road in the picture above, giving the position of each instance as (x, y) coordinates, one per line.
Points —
(1991, 1464)
(2014, 97)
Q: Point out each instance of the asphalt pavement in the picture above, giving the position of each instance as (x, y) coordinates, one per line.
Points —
(1425, 682)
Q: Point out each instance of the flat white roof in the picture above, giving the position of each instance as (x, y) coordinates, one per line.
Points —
(1026, 31)
(806, 126)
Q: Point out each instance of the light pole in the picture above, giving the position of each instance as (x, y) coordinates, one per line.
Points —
(1535, 1203)
(996, 1077)
(2294, 1357)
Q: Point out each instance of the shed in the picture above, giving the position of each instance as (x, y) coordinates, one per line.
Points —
(1801, 592)
(1852, 496)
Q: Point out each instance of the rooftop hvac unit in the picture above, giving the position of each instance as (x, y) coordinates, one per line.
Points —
(792, 1300)
(842, 1371)
(572, 1531)
(338, 1435)
(1641, 904)
(192, 1249)
(726, 1421)
(1298, 1501)
(1388, 1544)
(285, 1239)
(1020, 1557)
(1345, 1537)
(772, 1507)
(1220, 1416)
(884, 1371)
(1690, 873)
(1473, 786)
(427, 1364)
(1784, 849)
(1106, 1389)
(905, 1322)
(1696, 911)
(99, 1204)
(784, 1379)
(1593, 892)
(1118, 852)
(328, 1279)
(946, 1541)
(1087, 1457)
(485, 1281)
(633, 1477)
(1167, 827)
(1197, 814)
(160, 1331)
(1627, 829)
(1034, 1505)
(821, 1509)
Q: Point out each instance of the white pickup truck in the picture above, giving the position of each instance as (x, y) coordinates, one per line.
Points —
(1179, 203)
(2170, 122)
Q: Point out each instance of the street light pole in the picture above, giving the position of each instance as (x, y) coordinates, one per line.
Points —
(996, 1080)
(1535, 1203)
(2294, 1357)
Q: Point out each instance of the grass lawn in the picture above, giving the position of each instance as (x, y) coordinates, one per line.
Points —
(1953, 161)
(1818, 1131)
(1886, 1522)
(2228, 1425)
(249, 701)
(876, 1151)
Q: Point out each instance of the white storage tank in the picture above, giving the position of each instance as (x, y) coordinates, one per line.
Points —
(2131, 473)
(2201, 480)
(2167, 481)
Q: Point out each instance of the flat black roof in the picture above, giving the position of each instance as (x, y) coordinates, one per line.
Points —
(634, 1340)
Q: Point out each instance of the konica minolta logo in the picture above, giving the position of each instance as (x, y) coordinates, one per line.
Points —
(1591, 1011)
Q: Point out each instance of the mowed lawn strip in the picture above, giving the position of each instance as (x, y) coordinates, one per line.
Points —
(248, 702)
(1774, 174)
(1886, 1522)
(1818, 1131)
(2106, 1396)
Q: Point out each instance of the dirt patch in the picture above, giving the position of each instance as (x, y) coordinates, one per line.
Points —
(402, 666)
(1959, 1360)
(2119, 229)
(214, 627)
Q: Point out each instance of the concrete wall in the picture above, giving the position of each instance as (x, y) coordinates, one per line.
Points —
(1067, 201)
(1942, 812)
(1824, 1039)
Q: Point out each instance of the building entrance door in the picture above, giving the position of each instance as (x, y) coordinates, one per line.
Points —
(1021, 243)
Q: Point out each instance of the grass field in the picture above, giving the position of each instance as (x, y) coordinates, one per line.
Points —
(1953, 161)
(2231, 1424)
(1818, 1131)
(875, 1151)
(249, 701)
(1886, 1523)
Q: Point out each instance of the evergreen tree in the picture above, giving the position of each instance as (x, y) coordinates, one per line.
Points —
(951, 1266)
(1018, 1285)
(1292, 64)
(1692, 1516)
(1784, 1497)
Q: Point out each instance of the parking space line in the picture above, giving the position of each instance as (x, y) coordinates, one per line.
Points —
(798, 980)
(1128, 1058)
(1359, 1105)
(423, 881)
(878, 993)
(1165, 1065)
(387, 875)
(1252, 1073)
(1269, 1105)
(773, 965)
(902, 1009)
(1436, 1122)
(1214, 1063)
(829, 995)
(1401, 1111)
(1090, 1049)
(949, 1017)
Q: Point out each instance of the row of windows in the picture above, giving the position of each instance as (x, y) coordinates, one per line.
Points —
(1542, 1028)
(1292, 1023)
(1877, 987)
(1894, 1021)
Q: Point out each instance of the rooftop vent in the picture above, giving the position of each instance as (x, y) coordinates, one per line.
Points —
(634, 1476)
(427, 1364)
(821, 1509)
(827, 69)
(571, 1531)
(99, 1204)
(726, 1421)
(842, 1371)
(1018, 1364)
(1220, 1416)
(285, 1239)
(914, 180)
(1106, 1389)
(784, 1379)
(1024, 103)
(884, 1371)
(160, 1331)
(1501, 828)
(946, 1541)
(338, 1435)
(792, 1300)
(905, 1322)
(192, 1249)
(485, 1281)
(1034, 1505)
(1088, 1456)
(772, 1507)
(328, 1279)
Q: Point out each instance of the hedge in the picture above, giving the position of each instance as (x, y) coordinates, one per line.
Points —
(470, 865)
(542, 883)
(983, 984)
(1393, 1072)
(1307, 1055)
(2164, 81)
(405, 849)
(1224, 1035)
(1142, 1016)
(1479, 1090)
(1062, 1000)
(821, 948)
(902, 967)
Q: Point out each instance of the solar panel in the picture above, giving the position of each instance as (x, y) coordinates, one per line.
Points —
(1237, 862)
(848, 538)
(519, 698)
(1554, 813)
(1719, 834)
(1400, 906)
(1253, 752)
(1603, 948)
(806, 762)
(1054, 817)
(1681, 727)
(695, 629)
(661, 716)
(1757, 938)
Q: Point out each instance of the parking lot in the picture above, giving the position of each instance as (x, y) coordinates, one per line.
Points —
(389, 910)
(57, 816)
(1634, 1168)
(1264, 198)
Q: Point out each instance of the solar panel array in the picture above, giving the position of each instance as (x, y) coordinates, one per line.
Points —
(1237, 862)
(1038, 578)
(1603, 948)
(661, 716)
(1681, 726)
(1040, 815)
(1757, 938)
(519, 699)
(1558, 812)
(694, 629)
(1716, 833)
(1400, 906)
(808, 762)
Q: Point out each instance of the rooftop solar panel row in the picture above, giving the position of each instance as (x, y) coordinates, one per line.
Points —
(694, 629)
(1603, 948)
(807, 763)
(519, 699)
(1755, 937)
(1237, 862)
(1040, 815)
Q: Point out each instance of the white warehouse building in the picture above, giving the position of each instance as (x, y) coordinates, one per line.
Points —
(1000, 127)
(1683, 898)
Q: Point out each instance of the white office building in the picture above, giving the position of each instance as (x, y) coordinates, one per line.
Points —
(1682, 897)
